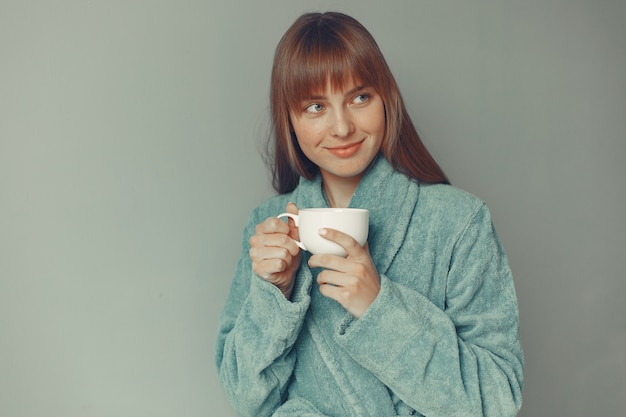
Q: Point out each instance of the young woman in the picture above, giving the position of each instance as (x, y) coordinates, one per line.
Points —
(421, 320)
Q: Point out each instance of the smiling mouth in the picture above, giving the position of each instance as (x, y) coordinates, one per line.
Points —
(345, 150)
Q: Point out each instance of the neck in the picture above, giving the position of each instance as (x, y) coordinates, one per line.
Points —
(339, 192)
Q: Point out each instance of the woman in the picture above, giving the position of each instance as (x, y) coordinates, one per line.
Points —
(422, 319)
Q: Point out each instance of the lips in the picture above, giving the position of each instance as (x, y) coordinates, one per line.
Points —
(345, 151)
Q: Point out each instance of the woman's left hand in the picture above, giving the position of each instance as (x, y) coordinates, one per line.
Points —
(352, 281)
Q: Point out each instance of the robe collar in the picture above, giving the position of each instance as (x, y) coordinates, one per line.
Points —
(390, 197)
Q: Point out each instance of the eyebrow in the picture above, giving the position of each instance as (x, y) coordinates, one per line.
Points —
(346, 94)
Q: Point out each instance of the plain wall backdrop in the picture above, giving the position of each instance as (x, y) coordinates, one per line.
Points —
(129, 161)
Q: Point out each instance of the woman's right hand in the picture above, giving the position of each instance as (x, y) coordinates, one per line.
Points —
(274, 254)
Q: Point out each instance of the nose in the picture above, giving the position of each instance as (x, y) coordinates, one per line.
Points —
(341, 123)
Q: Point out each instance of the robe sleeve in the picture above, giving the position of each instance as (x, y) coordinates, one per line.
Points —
(463, 360)
(256, 332)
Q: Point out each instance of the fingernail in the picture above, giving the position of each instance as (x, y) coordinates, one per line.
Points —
(323, 232)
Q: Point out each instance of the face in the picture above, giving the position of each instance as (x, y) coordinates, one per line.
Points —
(341, 131)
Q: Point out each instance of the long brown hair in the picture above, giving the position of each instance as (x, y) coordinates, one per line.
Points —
(332, 46)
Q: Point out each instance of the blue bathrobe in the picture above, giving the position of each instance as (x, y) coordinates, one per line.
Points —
(440, 340)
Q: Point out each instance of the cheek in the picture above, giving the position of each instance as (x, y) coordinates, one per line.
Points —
(306, 134)
(375, 124)
(379, 126)
(382, 121)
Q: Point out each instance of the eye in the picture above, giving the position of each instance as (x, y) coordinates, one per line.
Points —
(314, 108)
(361, 98)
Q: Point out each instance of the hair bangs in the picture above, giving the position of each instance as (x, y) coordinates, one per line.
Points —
(323, 58)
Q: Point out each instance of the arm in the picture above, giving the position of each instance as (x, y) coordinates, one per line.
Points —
(257, 329)
(463, 360)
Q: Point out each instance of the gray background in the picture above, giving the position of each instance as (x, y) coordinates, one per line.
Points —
(129, 137)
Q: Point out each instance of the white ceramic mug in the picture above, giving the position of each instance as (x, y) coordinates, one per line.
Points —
(351, 221)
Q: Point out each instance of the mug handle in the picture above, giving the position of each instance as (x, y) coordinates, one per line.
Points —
(296, 220)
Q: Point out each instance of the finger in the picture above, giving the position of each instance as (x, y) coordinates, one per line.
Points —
(272, 225)
(293, 230)
(331, 262)
(345, 268)
(269, 239)
(270, 260)
(337, 286)
(278, 240)
(333, 278)
(332, 291)
(366, 247)
(268, 267)
(347, 242)
(353, 294)
(270, 252)
(292, 208)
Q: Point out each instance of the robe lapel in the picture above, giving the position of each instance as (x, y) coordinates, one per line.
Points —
(391, 198)
(388, 195)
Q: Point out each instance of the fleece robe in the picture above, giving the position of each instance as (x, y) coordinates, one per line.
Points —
(440, 340)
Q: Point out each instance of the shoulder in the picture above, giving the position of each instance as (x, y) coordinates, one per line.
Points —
(448, 197)
(446, 203)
